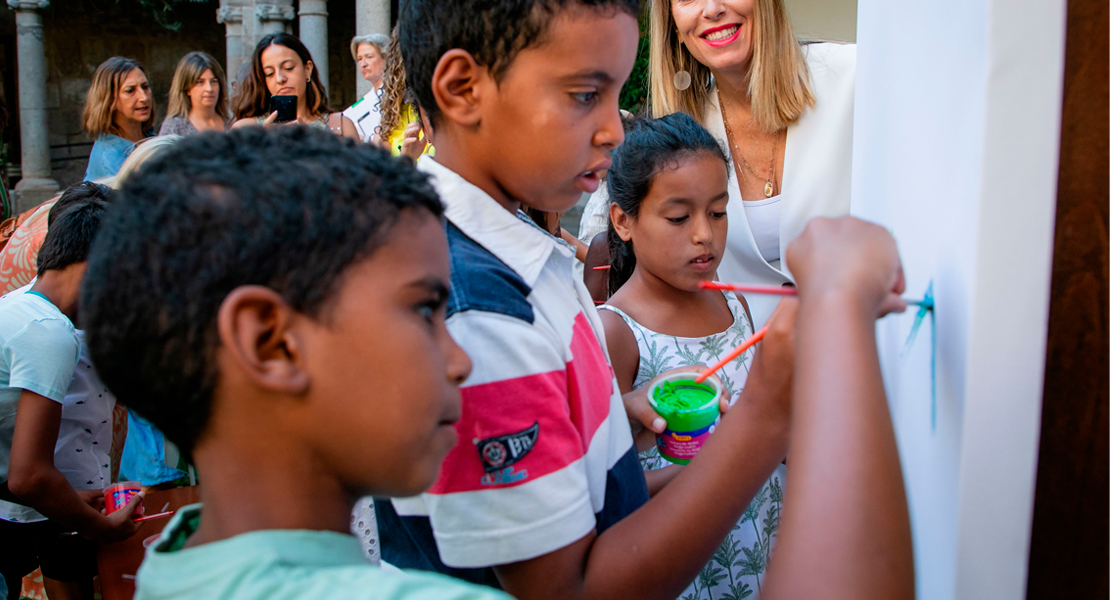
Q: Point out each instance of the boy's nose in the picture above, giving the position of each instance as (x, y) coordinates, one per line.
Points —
(459, 364)
(610, 133)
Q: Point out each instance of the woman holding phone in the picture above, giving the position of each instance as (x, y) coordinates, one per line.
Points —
(284, 87)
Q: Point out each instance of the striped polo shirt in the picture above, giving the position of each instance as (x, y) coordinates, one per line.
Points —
(545, 453)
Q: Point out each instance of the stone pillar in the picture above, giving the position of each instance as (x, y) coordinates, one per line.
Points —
(314, 34)
(272, 18)
(35, 185)
(237, 52)
(371, 16)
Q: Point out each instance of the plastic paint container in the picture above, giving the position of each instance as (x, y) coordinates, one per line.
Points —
(692, 411)
(117, 495)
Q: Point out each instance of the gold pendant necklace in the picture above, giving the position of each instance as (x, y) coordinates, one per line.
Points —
(769, 187)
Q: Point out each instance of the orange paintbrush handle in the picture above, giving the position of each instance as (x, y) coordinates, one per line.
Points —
(748, 343)
(749, 289)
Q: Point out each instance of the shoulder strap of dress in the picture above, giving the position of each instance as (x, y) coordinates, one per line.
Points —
(632, 324)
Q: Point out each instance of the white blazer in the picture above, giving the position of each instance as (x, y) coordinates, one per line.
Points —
(816, 175)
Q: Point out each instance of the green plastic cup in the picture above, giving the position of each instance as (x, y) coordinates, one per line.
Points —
(690, 420)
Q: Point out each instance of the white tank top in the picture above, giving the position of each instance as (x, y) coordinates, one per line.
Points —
(763, 218)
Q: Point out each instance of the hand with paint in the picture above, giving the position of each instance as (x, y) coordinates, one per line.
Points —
(851, 257)
(642, 417)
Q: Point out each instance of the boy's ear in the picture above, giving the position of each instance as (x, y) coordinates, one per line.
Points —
(255, 328)
(622, 223)
(457, 84)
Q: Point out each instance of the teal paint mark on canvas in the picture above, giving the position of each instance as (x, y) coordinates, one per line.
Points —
(926, 309)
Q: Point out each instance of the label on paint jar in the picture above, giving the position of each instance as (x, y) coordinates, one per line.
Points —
(680, 446)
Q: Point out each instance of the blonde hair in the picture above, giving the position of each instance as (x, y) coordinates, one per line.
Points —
(778, 83)
(188, 72)
(379, 41)
(98, 117)
(143, 151)
(395, 92)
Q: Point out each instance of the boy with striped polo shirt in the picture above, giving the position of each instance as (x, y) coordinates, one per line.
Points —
(543, 494)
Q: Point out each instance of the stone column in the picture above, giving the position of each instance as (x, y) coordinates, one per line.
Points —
(272, 18)
(314, 34)
(371, 16)
(35, 185)
(232, 19)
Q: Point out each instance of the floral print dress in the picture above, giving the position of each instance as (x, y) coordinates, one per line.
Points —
(737, 568)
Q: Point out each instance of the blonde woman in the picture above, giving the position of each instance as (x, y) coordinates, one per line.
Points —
(782, 109)
(369, 52)
(198, 97)
(282, 66)
(119, 111)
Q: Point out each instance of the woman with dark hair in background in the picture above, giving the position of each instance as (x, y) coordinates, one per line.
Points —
(198, 97)
(119, 111)
(282, 66)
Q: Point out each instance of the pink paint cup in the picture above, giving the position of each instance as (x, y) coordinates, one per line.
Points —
(117, 495)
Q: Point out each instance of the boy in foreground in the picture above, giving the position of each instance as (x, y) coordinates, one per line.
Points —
(544, 487)
(273, 301)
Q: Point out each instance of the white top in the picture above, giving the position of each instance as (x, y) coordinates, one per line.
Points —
(366, 114)
(816, 177)
(85, 436)
(38, 353)
(763, 219)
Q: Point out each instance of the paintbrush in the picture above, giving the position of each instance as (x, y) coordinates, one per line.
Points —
(748, 343)
(784, 291)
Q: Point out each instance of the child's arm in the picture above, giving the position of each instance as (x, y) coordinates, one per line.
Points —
(34, 479)
(845, 532)
(580, 248)
(659, 549)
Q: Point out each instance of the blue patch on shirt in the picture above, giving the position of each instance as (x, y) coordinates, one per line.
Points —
(480, 281)
(625, 490)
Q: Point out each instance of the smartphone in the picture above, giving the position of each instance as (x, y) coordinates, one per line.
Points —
(286, 107)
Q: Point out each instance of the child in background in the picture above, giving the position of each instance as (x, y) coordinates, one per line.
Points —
(545, 487)
(400, 129)
(54, 446)
(668, 190)
(286, 330)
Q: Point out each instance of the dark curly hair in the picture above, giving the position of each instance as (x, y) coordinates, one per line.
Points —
(649, 145)
(493, 32)
(289, 208)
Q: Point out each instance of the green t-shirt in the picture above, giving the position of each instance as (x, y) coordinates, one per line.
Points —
(281, 564)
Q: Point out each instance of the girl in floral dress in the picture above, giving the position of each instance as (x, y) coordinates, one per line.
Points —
(668, 188)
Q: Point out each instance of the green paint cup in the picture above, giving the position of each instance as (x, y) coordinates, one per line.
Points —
(692, 411)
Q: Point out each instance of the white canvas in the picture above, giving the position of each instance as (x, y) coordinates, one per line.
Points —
(955, 150)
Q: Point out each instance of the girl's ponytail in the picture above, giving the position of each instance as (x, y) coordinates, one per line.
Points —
(622, 261)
